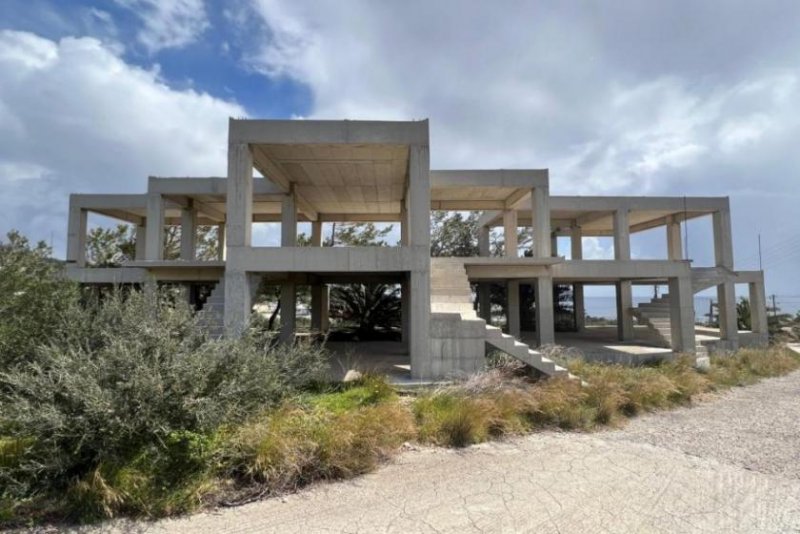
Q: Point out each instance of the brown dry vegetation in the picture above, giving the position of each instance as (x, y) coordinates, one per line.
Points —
(341, 434)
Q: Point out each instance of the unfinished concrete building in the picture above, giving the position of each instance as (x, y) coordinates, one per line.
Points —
(353, 171)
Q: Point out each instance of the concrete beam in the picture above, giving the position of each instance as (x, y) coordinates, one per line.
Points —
(361, 217)
(212, 186)
(327, 259)
(521, 178)
(328, 132)
(611, 203)
(108, 202)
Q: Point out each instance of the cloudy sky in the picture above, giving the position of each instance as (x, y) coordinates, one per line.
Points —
(623, 97)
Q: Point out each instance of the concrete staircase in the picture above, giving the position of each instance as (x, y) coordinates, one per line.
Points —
(706, 277)
(656, 315)
(212, 315)
(451, 294)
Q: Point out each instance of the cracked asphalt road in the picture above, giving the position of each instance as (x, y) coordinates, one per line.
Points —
(731, 464)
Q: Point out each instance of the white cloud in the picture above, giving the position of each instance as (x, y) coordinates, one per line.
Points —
(74, 117)
(629, 99)
(168, 23)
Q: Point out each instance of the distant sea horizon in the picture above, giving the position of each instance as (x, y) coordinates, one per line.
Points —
(606, 307)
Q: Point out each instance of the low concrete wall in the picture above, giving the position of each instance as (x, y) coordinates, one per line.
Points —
(457, 346)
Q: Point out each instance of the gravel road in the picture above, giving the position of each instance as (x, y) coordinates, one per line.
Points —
(730, 464)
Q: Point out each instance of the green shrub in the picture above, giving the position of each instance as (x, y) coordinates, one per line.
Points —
(34, 298)
(367, 391)
(131, 394)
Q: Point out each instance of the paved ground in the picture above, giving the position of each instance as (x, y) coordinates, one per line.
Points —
(729, 465)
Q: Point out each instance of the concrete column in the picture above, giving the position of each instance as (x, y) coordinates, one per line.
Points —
(154, 242)
(238, 302)
(682, 315)
(288, 311)
(484, 288)
(419, 317)
(674, 241)
(579, 302)
(758, 308)
(485, 302)
(418, 204)
(728, 316)
(624, 313)
(188, 233)
(403, 225)
(141, 238)
(239, 218)
(512, 304)
(221, 242)
(576, 250)
(554, 245)
(316, 233)
(545, 322)
(622, 251)
(723, 243)
(76, 235)
(622, 235)
(320, 304)
(540, 207)
(239, 221)
(510, 246)
(484, 247)
(289, 221)
(405, 306)
(320, 295)
(726, 293)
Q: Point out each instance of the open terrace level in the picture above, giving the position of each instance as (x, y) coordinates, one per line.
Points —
(328, 172)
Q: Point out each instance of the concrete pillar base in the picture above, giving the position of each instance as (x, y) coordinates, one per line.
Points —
(512, 304)
(545, 322)
(288, 312)
(624, 313)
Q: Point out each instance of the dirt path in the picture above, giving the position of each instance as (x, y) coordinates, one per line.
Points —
(729, 465)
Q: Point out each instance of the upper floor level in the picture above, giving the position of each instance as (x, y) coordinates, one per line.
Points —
(320, 172)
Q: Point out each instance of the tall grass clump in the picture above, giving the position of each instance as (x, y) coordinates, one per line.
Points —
(120, 413)
(329, 436)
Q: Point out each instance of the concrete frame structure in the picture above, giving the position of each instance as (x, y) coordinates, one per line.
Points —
(329, 171)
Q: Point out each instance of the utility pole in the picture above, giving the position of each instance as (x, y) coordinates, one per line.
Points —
(774, 306)
(760, 267)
